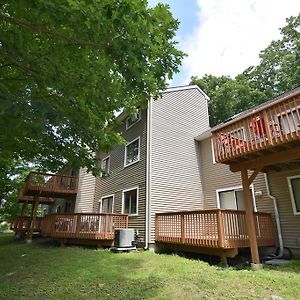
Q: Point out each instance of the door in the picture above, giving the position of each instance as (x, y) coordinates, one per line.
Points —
(106, 206)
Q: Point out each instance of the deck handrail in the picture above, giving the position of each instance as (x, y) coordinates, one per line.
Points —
(94, 226)
(266, 127)
(215, 228)
(50, 182)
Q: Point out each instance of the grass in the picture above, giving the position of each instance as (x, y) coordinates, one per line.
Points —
(44, 271)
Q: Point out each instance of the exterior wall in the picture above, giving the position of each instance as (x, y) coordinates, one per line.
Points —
(123, 178)
(217, 176)
(290, 223)
(85, 193)
(175, 176)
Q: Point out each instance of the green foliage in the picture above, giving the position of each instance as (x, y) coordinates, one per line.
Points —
(278, 72)
(67, 66)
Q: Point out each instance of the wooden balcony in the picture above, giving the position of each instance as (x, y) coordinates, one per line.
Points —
(216, 228)
(50, 185)
(271, 128)
(83, 226)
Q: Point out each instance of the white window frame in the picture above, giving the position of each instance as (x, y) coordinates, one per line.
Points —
(296, 213)
(125, 152)
(104, 197)
(239, 187)
(107, 157)
(137, 200)
(136, 121)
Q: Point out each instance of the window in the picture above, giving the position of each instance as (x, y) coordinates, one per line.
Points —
(289, 121)
(132, 152)
(130, 201)
(232, 198)
(294, 187)
(130, 121)
(107, 204)
(105, 165)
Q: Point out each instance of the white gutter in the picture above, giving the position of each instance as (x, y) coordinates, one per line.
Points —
(148, 172)
(277, 219)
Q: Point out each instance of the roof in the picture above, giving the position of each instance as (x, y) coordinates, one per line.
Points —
(123, 115)
(258, 108)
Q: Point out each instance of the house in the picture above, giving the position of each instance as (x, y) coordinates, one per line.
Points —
(158, 170)
(173, 183)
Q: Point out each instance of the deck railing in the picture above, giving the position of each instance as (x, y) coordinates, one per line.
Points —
(20, 224)
(216, 228)
(45, 182)
(273, 125)
(83, 226)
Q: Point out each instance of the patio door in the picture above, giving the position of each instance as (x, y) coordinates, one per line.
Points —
(232, 199)
(106, 205)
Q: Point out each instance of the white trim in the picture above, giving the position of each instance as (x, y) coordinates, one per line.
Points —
(184, 87)
(137, 120)
(125, 152)
(137, 200)
(148, 173)
(296, 213)
(213, 151)
(104, 197)
(107, 157)
(239, 187)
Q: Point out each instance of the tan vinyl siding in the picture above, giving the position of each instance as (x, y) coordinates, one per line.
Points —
(290, 223)
(123, 178)
(85, 194)
(218, 176)
(175, 172)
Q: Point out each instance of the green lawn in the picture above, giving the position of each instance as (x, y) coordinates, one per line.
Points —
(43, 271)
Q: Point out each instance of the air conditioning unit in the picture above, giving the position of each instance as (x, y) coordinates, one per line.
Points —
(124, 240)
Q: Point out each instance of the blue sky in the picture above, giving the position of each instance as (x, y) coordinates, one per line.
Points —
(224, 37)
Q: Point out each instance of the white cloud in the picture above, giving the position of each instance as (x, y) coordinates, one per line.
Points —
(231, 34)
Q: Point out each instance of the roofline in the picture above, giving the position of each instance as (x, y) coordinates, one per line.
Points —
(262, 107)
(184, 87)
(203, 136)
(122, 115)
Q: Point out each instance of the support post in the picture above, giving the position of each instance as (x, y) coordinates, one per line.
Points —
(250, 218)
(32, 222)
(23, 209)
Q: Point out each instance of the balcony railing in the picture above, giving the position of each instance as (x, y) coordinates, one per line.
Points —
(216, 228)
(83, 226)
(50, 184)
(22, 224)
(269, 127)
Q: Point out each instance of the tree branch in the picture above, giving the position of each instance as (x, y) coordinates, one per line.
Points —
(39, 29)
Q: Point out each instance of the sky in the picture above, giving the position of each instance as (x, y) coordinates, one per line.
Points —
(224, 37)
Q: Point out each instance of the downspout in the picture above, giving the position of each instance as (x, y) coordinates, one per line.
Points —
(148, 173)
(277, 219)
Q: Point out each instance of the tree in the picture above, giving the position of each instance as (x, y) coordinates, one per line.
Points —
(66, 67)
(278, 72)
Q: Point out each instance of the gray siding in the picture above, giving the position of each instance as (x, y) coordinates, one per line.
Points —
(218, 176)
(86, 191)
(290, 223)
(123, 178)
(175, 170)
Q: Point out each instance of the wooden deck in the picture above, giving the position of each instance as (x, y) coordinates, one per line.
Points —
(20, 225)
(50, 185)
(270, 128)
(81, 227)
(216, 228)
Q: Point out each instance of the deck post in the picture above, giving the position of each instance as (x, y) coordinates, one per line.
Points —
(32, 222)
(220, 225)
(23, 209)
(250, 217)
